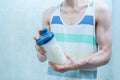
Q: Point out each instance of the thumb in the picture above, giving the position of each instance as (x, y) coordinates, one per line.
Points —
(36, 38)
(67, 56)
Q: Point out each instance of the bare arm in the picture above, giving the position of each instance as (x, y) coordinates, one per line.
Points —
(45, 23)
(103, 36)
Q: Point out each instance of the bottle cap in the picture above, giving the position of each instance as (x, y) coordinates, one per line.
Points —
(45, 37)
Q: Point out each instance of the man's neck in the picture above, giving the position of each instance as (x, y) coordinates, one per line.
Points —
(72, 3)
(75, 3)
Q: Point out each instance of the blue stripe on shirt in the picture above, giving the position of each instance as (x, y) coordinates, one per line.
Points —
(87, 20)
(56, 20)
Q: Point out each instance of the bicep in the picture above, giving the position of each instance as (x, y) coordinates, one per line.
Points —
(45, 19)
(47, 16)
(103, 32)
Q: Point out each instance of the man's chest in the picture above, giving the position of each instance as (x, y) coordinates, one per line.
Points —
(72, 18)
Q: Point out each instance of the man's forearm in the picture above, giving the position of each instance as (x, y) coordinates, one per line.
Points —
(98, 59)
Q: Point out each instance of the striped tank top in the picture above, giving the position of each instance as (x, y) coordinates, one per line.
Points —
(78, 41)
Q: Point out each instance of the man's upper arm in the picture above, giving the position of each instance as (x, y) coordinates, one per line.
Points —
(103, 33)
(47, 14)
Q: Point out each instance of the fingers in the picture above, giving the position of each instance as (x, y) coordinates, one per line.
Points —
(40, 49)
(36, 38)
(68, 57)
(39, 31)
(56, 67)
(52, 65)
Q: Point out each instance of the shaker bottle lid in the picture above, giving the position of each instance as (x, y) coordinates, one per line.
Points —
(45, 37)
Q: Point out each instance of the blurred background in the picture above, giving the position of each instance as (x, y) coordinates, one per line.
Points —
(19, 22)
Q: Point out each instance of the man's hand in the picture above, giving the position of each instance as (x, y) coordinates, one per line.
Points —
(40, 50)
(69, 65)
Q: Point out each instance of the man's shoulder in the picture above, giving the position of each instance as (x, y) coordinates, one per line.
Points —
(101, 6)
(47, 14)
(49, 11)
(101, 9)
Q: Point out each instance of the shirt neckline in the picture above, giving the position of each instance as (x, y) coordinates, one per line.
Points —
(71, 26)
